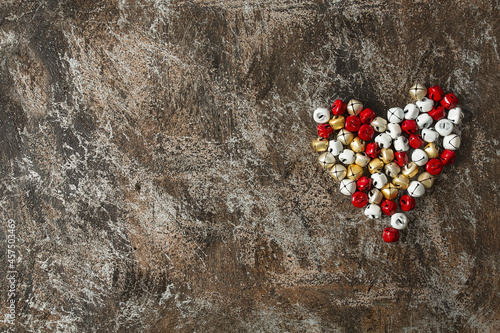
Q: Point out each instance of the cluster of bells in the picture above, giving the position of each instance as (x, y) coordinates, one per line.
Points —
(393, 168)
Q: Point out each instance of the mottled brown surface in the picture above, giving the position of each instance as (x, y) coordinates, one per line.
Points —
(155, 157)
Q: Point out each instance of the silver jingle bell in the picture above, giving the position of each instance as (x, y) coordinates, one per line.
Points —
(379, 124)
(373, 211)
(444, 127)
(411, 111)
(384, 140)
(338, 171)
(401, 144)
(345, 137)
(379, 180)
(347, 157)
(416, 189)
(395, 115)
(451, 142)
(456, 115)
(429, 135)
(394, 130)
(425, 104)
(326, 160)
(424, 121)
(321, 115)
(347, 186)
(419, 157)
(375, 196)
(354, 107)
(417, 91)
(362, 159)
(392, 169)
(335, 147)
(399, 221)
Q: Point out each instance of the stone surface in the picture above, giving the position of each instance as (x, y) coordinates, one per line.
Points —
(155, 157)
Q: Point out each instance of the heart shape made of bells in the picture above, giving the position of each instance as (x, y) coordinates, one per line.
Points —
(411, 148)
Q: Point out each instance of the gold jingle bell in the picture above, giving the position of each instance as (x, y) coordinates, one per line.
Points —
(418, 91)
(320, 144)
(337, 122)
(345, 137)
(431, 150)
(426, 179)
(401, 182)
(376, 165)
(410, 170)
(326, 160)
(386, 155)
(354, 172)
(358, 145)
(354, 107)
(392, 169)
(362, 159)
(338, 172)
(389, 191)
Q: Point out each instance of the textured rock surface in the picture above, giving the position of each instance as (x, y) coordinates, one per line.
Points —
(155, 158)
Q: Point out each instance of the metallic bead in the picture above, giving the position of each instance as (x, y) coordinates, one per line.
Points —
(335, 147)
(456, 115)
(362, 159)
(358, 145)
(321, 115)
(451, 142)
(345, 136)
(424, 121)
(399, 221)
(389, 191)
(338, 172)
(431, 150)
(347, 156)
(386, 155)
(430, 135)
(375, 196)
(416, 189)
(337, 122)
(444, 127)
(401, 144)
(373, 211)
(401, 182)
(379, 124)
(354, 107)
(419, 157)
(410, 170)
(379, 180)
(375, 165)
(320, 144)
(354, 172)
(392, 169)
(326, 160)
(384, 140)
(418, 91)
(426, 179)
(411, 111)
(347, 187)
(395, 115)
(425, 104)
(394, 130)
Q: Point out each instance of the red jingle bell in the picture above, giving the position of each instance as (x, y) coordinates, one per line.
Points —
(352, 123)
(389, 207)
(409, 126)
(359, 199)
(435, 93)
(367, 115)
(338, 107)
(407, 203)
(366, 132)
(449, 101)
(434, 166)
(401, 158)
(390, 235)
(416, 141)
(448, 157)
(364, 184)
(437, 113)
(372, 149)
(324, 130)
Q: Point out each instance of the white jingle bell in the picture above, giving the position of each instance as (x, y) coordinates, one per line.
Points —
(399, 221)
(425, 104)
(424, 121)
(362, 159)
(347, 187)
(395, 115)
(321, 115)
(401, 144)
(416, 189)
(384, 140)
(379, 180)
(419, 157)
(379, 124)
(335, 147)
(394, 130)
(429, 135)
(456, 115)
(451, 142)
(375, 196)
(411, 111)
(373, 211)
(444, 127)
(347, 156)
(392, 169)
(338, 171)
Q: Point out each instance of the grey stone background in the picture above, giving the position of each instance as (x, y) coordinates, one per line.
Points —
(155, 156)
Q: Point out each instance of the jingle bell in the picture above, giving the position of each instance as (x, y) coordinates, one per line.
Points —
(431, 150)
(326, 160)
(416, 189)
(401, 158)
(434, 166)
(390, 235)
(401, 182)
(367, 116)
(372, 149)
(320, 144)
(456, 115)
(366, 132)
(449, 101)
(409, 126)
(429, 135)
(364, 184)
(374, 196)
(375, 165)
(379, 124)
(435, 93)
(392, 169)
(384, 140)
(359, 199)
(358, 145)
(388, 207)
(347, 156)
(395, 115)
(399, 221)
(437, 113)
(338, 107)
(411, 111)
(352, 123)
(373, 211)
(416, 141)
(324, 130)
(338, 172)
(379, 180)
(345, 137)
(321, 115)
(424, 121)
(389, 191)
(444, 127)
(394, 130)
(419, 156)
(354, 172)
(410, 170)
(425, 104)
(354, 107)
(418, 91)
(386, 155)
(362, 159)
(407, 203)
(347, 187)
(448, 156)
(426, 179)
(401, 144)
(337, 122)
(335, 147)
(451, 142)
